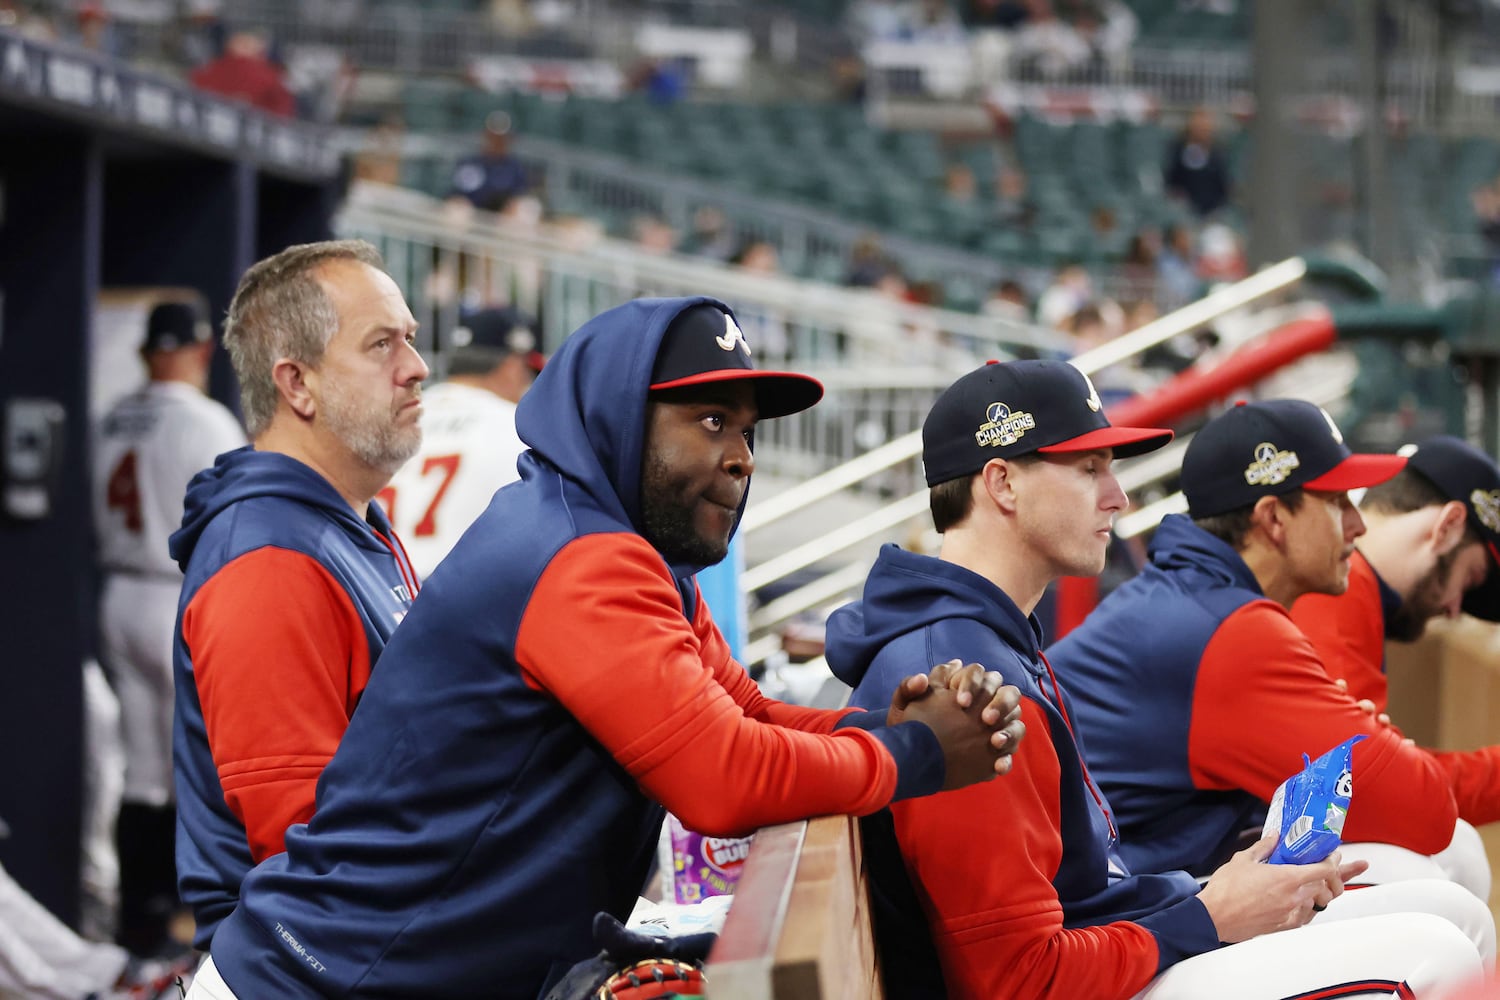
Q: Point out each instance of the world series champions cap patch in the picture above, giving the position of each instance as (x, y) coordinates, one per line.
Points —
(1006, 409)
(1271, 448)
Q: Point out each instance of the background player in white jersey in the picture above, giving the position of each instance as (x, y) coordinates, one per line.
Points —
(146, 449)
(469, 442)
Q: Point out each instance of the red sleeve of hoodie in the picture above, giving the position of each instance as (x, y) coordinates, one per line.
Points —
(1348, 632)
(1349, 635)
(1263, 699)
(746, 693)
(663, 696)
(280, 660)
(990, 901)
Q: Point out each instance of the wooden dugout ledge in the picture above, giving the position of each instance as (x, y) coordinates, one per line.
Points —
(799, 928)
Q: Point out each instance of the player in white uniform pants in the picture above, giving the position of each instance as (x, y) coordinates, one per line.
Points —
(469, 442)
(145, 451)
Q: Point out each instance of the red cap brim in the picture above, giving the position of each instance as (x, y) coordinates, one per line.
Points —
(777, 394)
(1126, 441)
(1357, 471)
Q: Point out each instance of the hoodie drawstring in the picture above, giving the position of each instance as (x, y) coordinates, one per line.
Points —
(1088, 779)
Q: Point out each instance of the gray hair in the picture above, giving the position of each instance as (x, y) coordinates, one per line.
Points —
(280, 311)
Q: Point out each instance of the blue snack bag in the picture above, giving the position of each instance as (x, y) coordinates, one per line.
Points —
(1308, 810)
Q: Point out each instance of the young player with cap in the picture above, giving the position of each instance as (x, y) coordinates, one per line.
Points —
(1020, 882)
(1200, 653)
(146, 449)
(469, 443)
(558, 682)
(1430, 548)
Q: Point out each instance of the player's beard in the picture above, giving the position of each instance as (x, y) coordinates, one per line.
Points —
(669, 525)
(370, 430)
(1425, 603)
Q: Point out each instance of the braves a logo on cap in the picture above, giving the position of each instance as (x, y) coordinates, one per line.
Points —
(1272, 465)
(1001, 427)
(1332, 427)
(732, 335)
(1486, 504)
(1093, 400)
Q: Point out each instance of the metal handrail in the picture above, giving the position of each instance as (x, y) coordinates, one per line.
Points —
(1188, 319)
(861, 313)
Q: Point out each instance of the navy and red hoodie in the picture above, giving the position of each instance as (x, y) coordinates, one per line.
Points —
(1023, 892)
(1197, 696)
(556, 681)
(288, 598)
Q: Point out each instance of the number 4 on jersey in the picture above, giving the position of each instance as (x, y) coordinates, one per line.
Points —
(427, 526)
(122, 493)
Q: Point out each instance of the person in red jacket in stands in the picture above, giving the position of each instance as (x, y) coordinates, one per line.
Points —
(244, 72)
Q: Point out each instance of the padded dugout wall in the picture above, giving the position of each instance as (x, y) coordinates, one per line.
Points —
(107, 177)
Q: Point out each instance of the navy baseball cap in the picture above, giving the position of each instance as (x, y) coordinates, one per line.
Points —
(1004, 410)
(704, 344)
(1462, 472)
(176, 324)
(505, 330)
(1272, 448)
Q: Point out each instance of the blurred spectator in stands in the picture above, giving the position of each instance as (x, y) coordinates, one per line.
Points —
(664, 82)
(959, 185)
(1007, 300)
(493, 176)
(848, 78)
(1048, 45)
(710, 235)
(379, 159)
(766, 328)
(245, 72)
(1197, 169)
(1221, 256)
(199, 33)
(1070, 290)
(909, 20)
(1107, 27)
(868, 262)
(1486, 201)
(93, 31)
(1012, 208)
(1139, 313)
(1004, 14)
(1104, 229)
(20, 18)
(1139, 268)
(758, 257)
(653, 234)
(1176, 269)
(1086, 329)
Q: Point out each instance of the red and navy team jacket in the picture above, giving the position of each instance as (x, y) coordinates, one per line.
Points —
(1018, 879)
(556, 683)
(1197, 696)
(287, 600)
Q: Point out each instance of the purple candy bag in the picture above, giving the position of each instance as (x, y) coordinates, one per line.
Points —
(704, 866)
